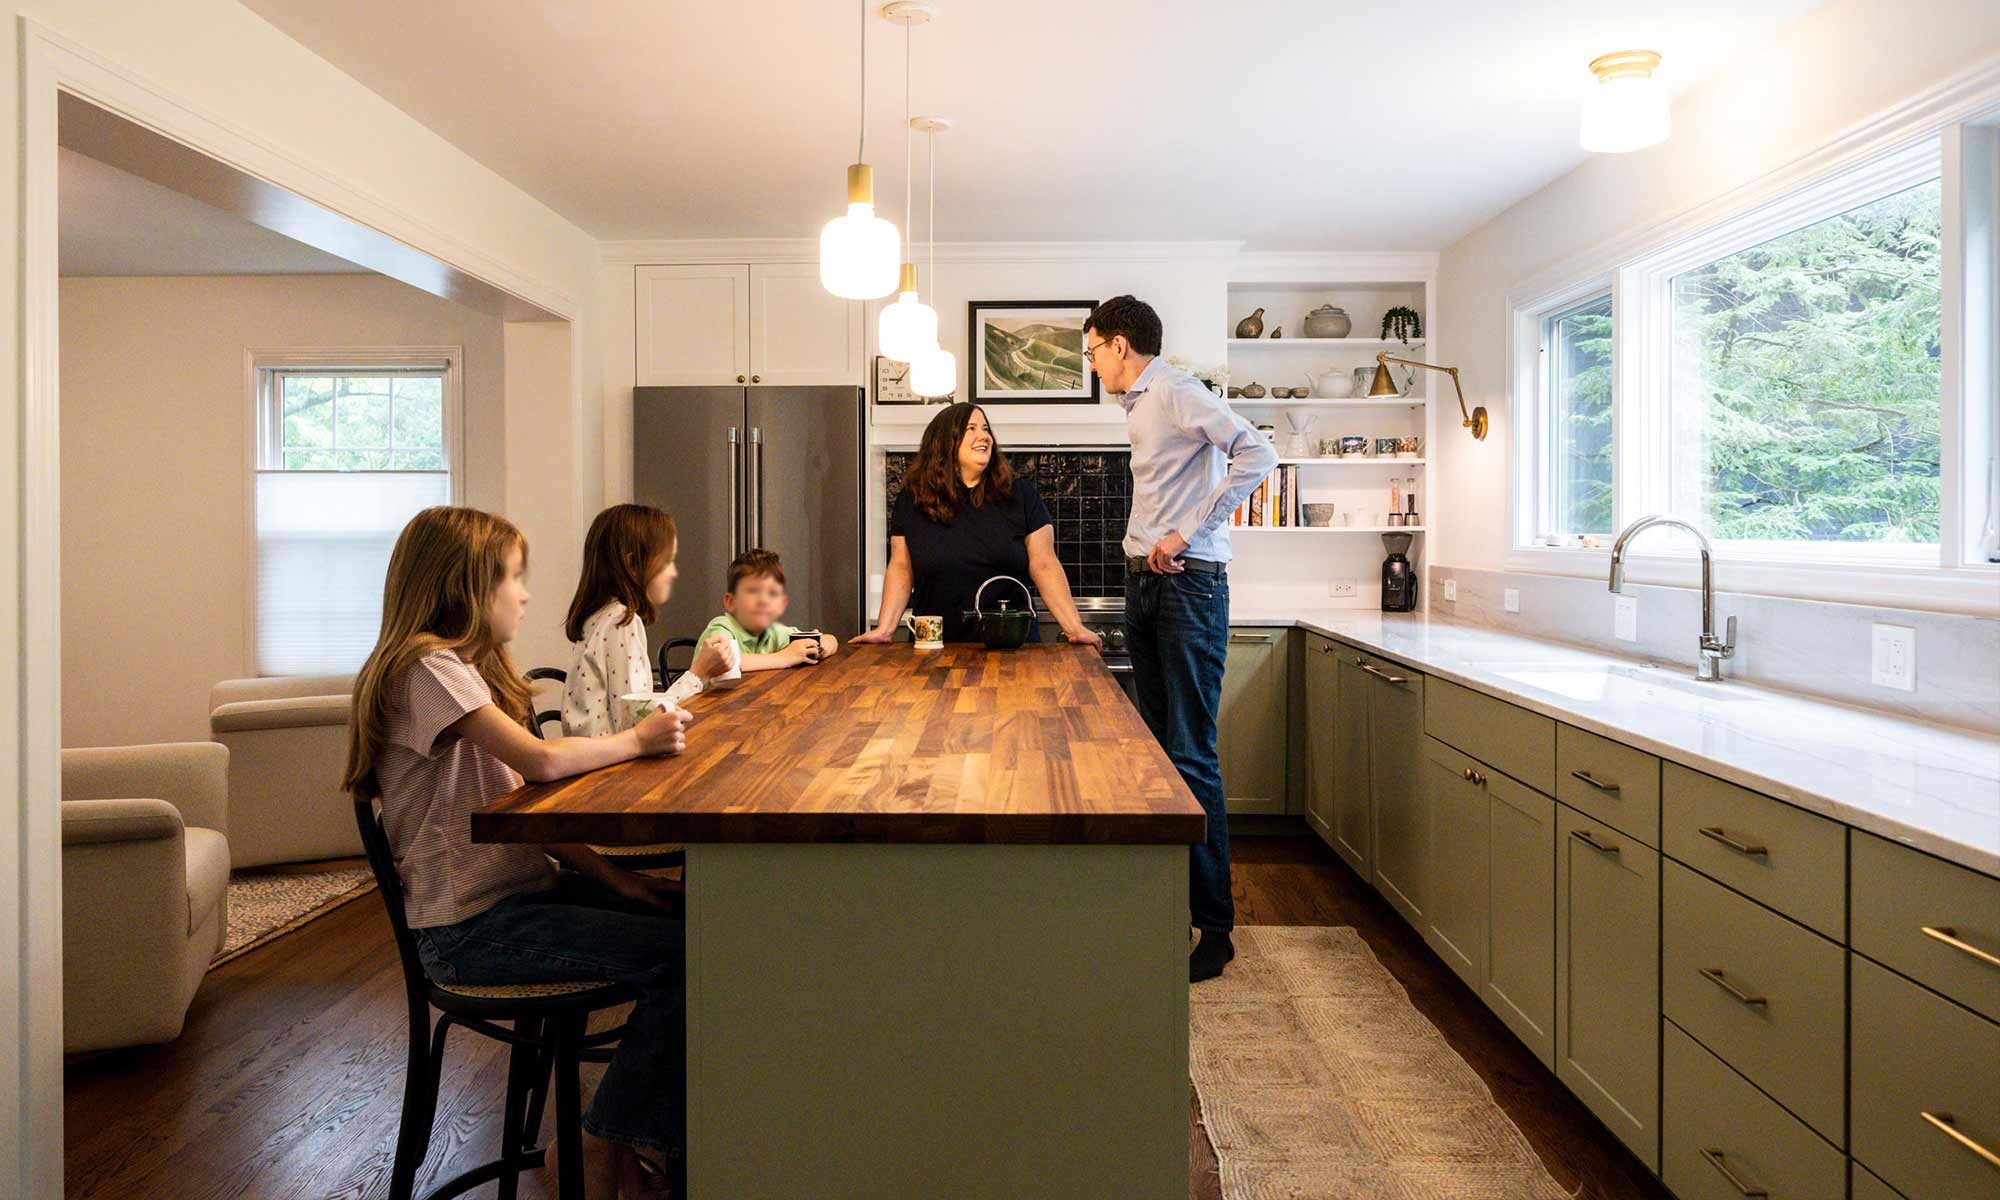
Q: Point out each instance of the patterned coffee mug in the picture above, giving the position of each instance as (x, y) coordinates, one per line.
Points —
(928, 631)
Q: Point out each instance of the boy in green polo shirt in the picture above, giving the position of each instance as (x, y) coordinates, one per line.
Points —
(751, 608)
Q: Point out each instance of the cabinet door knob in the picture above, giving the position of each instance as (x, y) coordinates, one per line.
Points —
(1479, 777)
(756, 379)
(741, 379)
(1714, 1158)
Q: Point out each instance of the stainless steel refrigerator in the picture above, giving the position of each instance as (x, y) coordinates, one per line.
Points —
(740, 467)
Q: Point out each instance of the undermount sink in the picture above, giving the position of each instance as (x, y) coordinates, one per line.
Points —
(1591, 683)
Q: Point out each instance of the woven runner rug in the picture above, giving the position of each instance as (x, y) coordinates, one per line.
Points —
(265, 904)
(1318, 1079)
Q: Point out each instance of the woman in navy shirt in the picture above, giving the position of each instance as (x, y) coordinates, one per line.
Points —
(962, 518)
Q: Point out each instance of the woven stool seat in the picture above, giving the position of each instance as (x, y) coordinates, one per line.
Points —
(523, 991)
(639, 851)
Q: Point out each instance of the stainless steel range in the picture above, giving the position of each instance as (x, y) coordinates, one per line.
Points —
(1105, 617)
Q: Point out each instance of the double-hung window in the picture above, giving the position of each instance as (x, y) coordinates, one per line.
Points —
(349, 446)
(1782, 378)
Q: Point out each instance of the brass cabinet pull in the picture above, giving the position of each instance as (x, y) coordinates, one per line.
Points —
(1943, 1121)
(741, 379)
(1714, 1158)
(1472, 776)
(756, 379)
(1599, 784)
(1250, 637)
(1583, 835)
(1466, 774)
(1715, 976)
(1949, 936)
(1715, 833)
(1379, 673)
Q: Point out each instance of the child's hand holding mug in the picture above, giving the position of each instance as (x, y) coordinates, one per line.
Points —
(711, 658)
(662, 732)
(804, 650)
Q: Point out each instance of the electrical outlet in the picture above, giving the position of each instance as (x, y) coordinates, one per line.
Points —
(1625, 618)
(1341, 589)
(1451, 590)
(1511, 600)
(1893, 660)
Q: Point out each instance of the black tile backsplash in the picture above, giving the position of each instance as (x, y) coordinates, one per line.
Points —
(1089, 494)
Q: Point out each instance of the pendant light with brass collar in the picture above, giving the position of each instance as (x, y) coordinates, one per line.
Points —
(934, 373)
(1385, 386)
(909, 327)
(858, 252)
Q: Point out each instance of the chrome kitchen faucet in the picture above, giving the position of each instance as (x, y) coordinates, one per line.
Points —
(1708, 667)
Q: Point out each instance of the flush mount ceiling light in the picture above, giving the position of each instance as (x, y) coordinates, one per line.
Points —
(1626, 107)
(909, 327)
(933, 373)
(858, 252)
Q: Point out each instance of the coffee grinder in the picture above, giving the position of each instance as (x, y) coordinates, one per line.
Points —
(1399, 578)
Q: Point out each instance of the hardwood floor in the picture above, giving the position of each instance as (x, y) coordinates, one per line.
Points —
(288, 1079)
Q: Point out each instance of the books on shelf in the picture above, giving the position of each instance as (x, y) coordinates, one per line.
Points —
(1275, 503)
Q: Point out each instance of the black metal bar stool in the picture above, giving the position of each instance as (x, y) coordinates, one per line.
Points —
(548, 1034)
(649, 856)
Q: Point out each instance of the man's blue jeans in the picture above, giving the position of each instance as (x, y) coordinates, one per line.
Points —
(1177, 631)
(581, 930)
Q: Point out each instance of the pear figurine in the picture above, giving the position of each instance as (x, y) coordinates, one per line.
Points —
(1251, 326)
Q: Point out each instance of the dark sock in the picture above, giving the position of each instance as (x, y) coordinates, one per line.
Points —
(1210, 953)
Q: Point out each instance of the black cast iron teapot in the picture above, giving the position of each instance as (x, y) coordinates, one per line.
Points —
(1004, 628)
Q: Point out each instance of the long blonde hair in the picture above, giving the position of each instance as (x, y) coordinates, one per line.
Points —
(438, 596)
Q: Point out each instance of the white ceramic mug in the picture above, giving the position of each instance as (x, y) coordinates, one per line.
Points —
(928, 631)
(632, 707)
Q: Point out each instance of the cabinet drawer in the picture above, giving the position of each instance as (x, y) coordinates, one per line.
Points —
(1899, 893)
(1916, 1052)
(1768, 996)
(1770, 851)
(1721, 1139)
(1510, 739)
(1615, 784)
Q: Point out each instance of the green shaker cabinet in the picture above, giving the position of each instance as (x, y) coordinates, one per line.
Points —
(1608, 977)
(1322, 672)
(1254, 718)
(1455, 926)
(1520, 982)
(1402, 828)
(1353, 819)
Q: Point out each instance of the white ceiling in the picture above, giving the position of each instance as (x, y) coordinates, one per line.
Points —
(114, 223)
(1289, 124)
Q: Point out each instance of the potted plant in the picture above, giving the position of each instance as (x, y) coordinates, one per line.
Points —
(1402, 323)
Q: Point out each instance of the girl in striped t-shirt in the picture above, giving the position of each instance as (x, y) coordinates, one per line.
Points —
(438, 731)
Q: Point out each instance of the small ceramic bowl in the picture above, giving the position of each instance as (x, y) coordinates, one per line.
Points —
(1320, 515)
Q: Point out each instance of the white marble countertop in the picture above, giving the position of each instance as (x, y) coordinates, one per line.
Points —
(1927, 786)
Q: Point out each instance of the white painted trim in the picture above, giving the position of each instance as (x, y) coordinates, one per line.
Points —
(1974, 591)
(111, 87)
(1346, 266)
(31, 1100)
(771, 250)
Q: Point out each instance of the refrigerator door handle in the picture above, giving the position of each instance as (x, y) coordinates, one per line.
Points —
(756, 500)
(735, 490)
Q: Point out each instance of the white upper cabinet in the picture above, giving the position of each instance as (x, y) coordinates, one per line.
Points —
(799, 332)
(767, 323)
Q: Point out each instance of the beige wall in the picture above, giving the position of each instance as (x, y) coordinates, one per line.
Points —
(1832, 70)
(155, 434)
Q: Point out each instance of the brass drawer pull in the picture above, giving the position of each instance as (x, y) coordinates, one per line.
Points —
(1943, 1121)
(1715, 833)
(1250, 637)
(1599, 784)
(1379, 673)
(1714, 1158)
(1949, 936)
(1715, 976)
(1583, 835)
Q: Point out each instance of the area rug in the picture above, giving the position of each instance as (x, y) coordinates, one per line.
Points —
(269, 904)
(1318, 1080)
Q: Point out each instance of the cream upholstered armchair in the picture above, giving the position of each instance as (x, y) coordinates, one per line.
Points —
(287, 739)
(145, 887)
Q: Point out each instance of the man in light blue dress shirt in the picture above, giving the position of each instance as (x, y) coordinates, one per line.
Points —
(1194, 459)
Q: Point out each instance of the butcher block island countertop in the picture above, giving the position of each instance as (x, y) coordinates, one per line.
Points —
(886, 744)
(936, 923)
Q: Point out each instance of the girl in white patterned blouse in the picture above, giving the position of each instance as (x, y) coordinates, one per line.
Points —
(628, 572)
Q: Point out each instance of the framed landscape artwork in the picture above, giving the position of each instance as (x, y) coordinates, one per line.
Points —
(1028, 352)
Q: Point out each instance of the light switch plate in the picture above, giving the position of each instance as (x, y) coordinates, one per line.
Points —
(1893, 657)
(1511, 599)
(1451, 590)
(1625, 618)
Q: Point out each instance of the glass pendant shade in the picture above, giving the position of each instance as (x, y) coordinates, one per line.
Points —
(934, 373)
(860, 252)
(1626, 107)
(908, 327)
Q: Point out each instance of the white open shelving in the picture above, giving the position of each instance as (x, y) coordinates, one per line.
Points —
(1236, 529)
(1350, 460)
(1410, 401)
(1310, 343)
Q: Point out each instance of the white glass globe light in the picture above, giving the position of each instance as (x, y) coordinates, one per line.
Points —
(908, 327)
(934, 373)
(1626, 107)
(859, 253)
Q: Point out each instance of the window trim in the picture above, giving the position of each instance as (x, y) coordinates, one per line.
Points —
(1828, 181)
(259, 368)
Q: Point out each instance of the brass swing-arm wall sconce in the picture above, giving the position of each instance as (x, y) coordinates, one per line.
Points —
(1385, 386)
